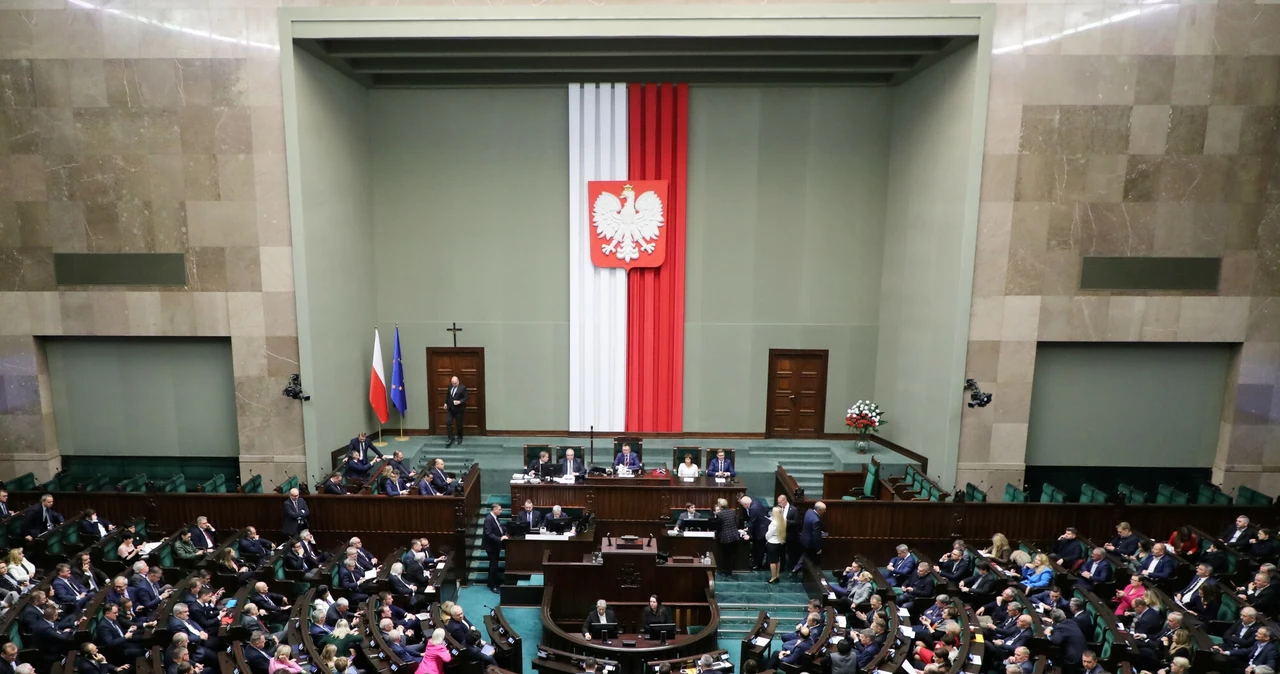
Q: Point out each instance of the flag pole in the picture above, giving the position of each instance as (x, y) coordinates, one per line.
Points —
(396, 355)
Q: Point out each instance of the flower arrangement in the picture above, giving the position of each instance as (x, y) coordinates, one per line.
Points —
(864, 417)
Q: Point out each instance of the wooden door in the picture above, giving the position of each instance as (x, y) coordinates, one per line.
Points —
(797, 393)
(467, 364)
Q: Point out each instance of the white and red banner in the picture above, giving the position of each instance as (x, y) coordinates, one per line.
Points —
(378, 382)
(627, 256)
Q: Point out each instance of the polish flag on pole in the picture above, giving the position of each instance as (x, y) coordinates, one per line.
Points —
(378, 382)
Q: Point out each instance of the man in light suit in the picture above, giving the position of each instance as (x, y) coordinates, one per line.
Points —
(570, 464)
(296, 513)
(811, 537)
(455, 405)
(494, 536)
(720, 466)
(626, 458)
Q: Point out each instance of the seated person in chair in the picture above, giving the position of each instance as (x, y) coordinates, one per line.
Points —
(720, 466)
(626, 458)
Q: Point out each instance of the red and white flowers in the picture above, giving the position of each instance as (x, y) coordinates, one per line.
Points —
(864, 417)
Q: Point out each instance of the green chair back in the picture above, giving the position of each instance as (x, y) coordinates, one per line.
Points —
(291, 483)
(1014, 495)
(25, 482)
(1206, 493)
(253, 485)
(216, 485)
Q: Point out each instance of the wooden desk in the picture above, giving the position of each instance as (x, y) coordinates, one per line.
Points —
(524, 554)
(625, 577)
(764, 628)
(508, 646)
(645, 499)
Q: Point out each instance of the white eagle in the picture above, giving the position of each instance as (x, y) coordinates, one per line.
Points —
(630, 224)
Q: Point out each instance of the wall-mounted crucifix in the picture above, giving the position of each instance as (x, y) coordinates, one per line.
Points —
(455, 330)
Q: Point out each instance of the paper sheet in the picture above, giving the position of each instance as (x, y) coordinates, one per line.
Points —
(760, 641)
(975, 659)
(904, 612)
(369, 575)
(906, 631)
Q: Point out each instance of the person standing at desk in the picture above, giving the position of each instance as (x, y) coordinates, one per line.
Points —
(720, 466)
(602, 615)
(626, 459)
(570, 465)
(494, 536)
(654, 614)
(757, 526)
(727, 536)
(362, 444)
(296, 514)
(455, 406)
(530, 517)
(811, 536)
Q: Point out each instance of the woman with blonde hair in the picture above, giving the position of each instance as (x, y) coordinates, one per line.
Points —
(342, 637)
(434, 655)
(775, 539)
(20, 570)
(446, 611)
(283, 662)
(1000, 548)
(1037, 574)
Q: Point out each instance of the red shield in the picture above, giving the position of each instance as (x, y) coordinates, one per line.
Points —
(627, 222)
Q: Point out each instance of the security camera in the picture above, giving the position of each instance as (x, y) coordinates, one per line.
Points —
(976, 397)
(293, 390)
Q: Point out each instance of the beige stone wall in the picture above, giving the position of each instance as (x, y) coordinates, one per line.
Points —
(1114, 128)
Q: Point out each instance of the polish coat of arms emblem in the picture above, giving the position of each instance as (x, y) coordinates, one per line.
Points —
(627, 222)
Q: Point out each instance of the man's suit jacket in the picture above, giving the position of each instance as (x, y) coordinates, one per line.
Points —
(1099, 572)
(1044, 598)
(438, 480)
(1125, 545)
(1069, 551)
(358, 468)
(716, 466)
(798, 650)
(400, 467)
(350, 579)
(203, 542)
(811, 533)
(1018, 638)
(269, 601)
(146, 595)
(1241, 635)
(1252, 655)
(793, 517)
(1193, 602)
(531, 519)
(1267, 601)
(415, 571)
(919, 586)
(1163, 568)
(900, 567)
(630, 460)
(50, 640)
(86, 666)
(391, 487)
(176, 626)
(956, 569)
(460, 394)
(1243, 539)
(1148, 623)
(111, 639)
(363, 447)
(426, 488)
(493, 533)
(90, 529)
(462, 631)
(1085, 621)
(757, 519)
(334, 488)
(293, 562)
(1070, 639)
(258, 661)
(295, 516)
(319, 631)
(254, 548)
(399, 586)
(534, 465)
(34, 521)
(593, 618)
(578, 468)
(332, 616)
(865, 654)
(980, 584)
(205, 616)
(364, 559)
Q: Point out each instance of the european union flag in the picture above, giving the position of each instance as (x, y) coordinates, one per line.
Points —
(397, 379)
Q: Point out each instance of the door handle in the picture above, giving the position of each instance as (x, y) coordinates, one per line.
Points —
(791, 397)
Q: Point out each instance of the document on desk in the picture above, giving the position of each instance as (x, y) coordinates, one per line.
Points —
(488, 649)
(422, 616)
(721, 480)
(687, 479)
(148, 548)
(907, 666)
(842, 621)
(548, 537)
(906, 631)
(904, 612)
(369, 575)
(761, 641)
(975, 659)
(439, 565)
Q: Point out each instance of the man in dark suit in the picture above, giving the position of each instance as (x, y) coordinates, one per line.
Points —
(1244, 632)
(407, 474)
(494, 536)
(93, 527)
(67, 592)
(334, 485)
(1097, 569)
(340, 610)
(256, 655)
(455, 406)
(627, 458)
(1049, 599)
(426, 487)
(1079, 613)
(51, 641)
(357, 467)
(1262, 654)
(41, 517)
(1067, 636)
(319, 630)
(1125, 542)
(1068, 549)
(921, 587)
(956, 565)
(1004, 647)
(981, 583)
(600, 615)
(349, 579)
(296, 514)
(441, 480)
(1263, 595)
(793, 517)
(295, 558)
(1146, 620)
(118, 643)
(793, 655)
(362, 444)
(720, 466)
(1157, 565)
(253, 547)
(467, 635)
(203, 535)
(9, 660)
(1239, 535)
(570, 464)
(90, 661)
(535, 466)
(147, 594)
(1089, 663)
(1189, 596)
(180, 622)
(274, 605)
(529, 518)
(205, 609)
(757, 524)
(1022, 658)
(811, 537)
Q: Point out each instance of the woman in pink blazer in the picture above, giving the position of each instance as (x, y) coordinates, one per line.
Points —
(435, 655)
(1125, 597)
